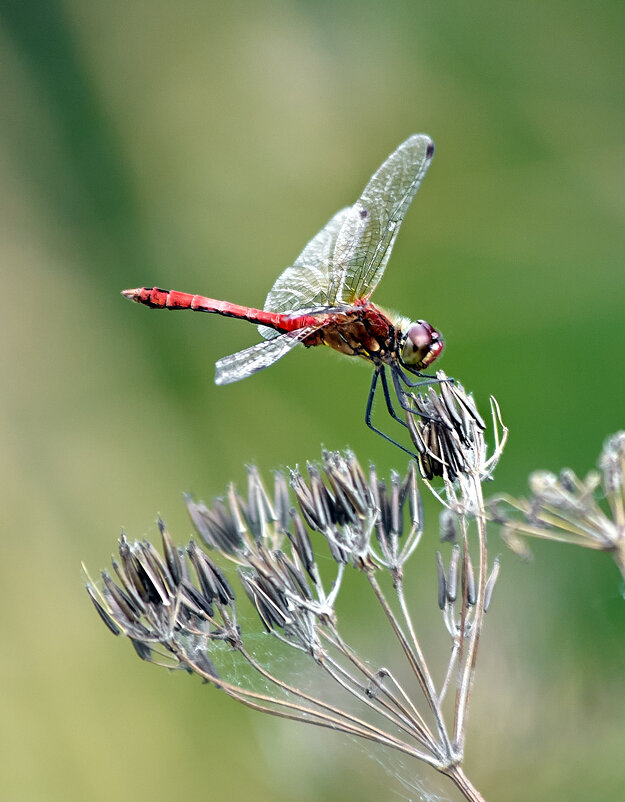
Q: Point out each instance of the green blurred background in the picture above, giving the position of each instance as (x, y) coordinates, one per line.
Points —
(198, 146)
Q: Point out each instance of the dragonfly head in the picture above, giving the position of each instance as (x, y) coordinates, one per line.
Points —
(420, 345)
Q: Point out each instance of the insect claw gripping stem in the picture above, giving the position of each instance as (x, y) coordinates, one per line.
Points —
(401, 395)
(372, 389)
(436, 421)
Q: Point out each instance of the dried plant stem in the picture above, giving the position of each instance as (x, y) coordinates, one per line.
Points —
(436, 699)
(469, 661)
(335, 719)
(462, 782)
(417, 662)
(450, 670)
(407, 719)
(347, 682)
(408, 710)
(182, 606)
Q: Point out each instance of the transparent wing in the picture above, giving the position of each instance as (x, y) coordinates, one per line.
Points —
(305, 283)
(260, 356)
(346, 259)
(364, 243)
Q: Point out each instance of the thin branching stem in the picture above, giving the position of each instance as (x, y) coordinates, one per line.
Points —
(416, 661)
(408, 711)
(463, 633)
(339, 720)
(376, 737)
(469, 663)
(449, 673)
(462, 782)
(430, 692)
(352, 686)
(309, 698)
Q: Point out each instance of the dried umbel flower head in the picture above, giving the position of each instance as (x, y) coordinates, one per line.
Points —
(179, 610)
(364, 523)
(169, 617)
(565, 508)
(448, 432)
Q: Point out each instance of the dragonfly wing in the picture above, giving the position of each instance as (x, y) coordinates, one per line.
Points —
(260, 356)
(367, 235)
(305, 283)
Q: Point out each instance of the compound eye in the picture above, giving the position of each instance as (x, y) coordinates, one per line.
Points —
(422, 344)
(420, 335)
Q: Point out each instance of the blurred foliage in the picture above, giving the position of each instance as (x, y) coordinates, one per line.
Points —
(198, 146)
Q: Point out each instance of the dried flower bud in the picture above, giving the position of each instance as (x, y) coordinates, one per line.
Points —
(470, 581)
(108, 620)
(447, 526)
(568, 509)
(544, 484)
(490, 584)
(452, 576)
(301, 543)
(171, 553)
(442, 584)
(516, 544)
(282, 504)
(612, 462)
(447, 431)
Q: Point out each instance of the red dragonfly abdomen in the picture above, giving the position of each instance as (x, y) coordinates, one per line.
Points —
(156, 298)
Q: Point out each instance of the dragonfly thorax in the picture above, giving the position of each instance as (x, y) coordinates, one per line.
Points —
(420, 345)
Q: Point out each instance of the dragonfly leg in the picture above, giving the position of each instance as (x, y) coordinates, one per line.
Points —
(372, 389)
(424, 378)
(389, 400)
(401, 396)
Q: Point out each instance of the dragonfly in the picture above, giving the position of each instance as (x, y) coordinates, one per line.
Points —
(323, 298)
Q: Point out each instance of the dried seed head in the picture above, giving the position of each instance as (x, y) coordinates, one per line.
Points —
(108, 620)
(171, 553)
(447, 431)
(271, 604)
(183, 601)
(569, 509)
(470, 581)
(301, 543)
(490, 584)
(153, 602)
(612, 462)
(442, 582)
(217, 526)
(512, 539)
(282, 504)
(452, 576)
